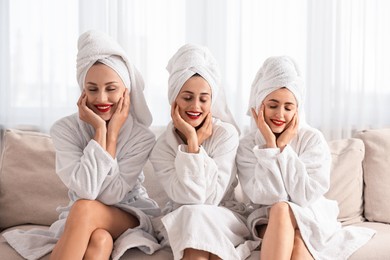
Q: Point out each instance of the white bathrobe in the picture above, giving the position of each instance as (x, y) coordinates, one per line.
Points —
(202, 212)
(91, 173)
(299, 175)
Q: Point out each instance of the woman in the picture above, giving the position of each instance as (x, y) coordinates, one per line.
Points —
(100, 153)
(284, 168)
(194, 160)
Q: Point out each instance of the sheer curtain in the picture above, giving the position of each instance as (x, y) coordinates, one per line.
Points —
(340, 45)
(348, 59)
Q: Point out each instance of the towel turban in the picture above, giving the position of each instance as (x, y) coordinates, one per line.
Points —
(96, 46)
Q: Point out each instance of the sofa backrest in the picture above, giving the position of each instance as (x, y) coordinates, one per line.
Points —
(30, 190)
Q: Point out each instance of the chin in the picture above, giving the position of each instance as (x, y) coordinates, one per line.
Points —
(106, 117)
(194, 125)
(277, 131)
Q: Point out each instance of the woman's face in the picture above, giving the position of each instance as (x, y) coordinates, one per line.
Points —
(279, 108)
(103, 88)
(194, 100)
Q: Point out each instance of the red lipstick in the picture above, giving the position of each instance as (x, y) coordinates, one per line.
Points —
(193, 115)
(277, 122)
(103, 108)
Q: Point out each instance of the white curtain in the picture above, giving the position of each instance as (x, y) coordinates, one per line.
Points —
(341, 46)
(348, 58)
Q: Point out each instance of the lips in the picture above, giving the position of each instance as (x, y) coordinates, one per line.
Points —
(277, 122)
(103, 108)
(193, 115)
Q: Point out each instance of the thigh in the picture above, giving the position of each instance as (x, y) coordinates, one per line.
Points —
(118, 221)
(109, 218)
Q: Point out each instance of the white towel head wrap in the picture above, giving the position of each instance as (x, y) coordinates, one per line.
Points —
(119, 66)
(96, 46)
(278, 72)
(193, 59)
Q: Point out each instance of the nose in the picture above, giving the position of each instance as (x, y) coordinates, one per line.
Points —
(102, 97)
(195, 103)
(279, 112)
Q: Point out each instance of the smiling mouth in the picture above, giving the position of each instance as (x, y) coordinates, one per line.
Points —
(103, 108)
(277, 122)
(193, 115)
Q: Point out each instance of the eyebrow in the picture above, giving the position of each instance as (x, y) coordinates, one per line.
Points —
(277, 101)
(108, 83)
(190, 92)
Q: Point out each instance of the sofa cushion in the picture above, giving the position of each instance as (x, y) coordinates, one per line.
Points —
(378, 246)
(347, 179)
(30, 190)
(376, 165)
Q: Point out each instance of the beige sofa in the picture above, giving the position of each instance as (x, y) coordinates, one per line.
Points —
(30, 190)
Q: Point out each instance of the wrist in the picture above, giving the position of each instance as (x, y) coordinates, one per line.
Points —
(192, 145)
(271, 145)
(101, 130)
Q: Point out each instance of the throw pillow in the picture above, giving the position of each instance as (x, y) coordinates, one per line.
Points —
(376, 167)
(30, 190)
(347, 179)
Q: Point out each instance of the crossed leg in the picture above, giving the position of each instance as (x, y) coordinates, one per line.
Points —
(90, 229)
(195, 254)
(281, 236)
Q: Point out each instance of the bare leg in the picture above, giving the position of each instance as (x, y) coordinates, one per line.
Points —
(300, 251)
(84, 218)
(195, 254)
(278, 238)
(100, 246)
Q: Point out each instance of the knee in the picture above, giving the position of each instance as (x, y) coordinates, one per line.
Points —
(280, 210)
(82, 211)
(101, 238)
(100, 245)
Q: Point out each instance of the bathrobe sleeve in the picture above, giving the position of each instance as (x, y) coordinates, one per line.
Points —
(201, 178)
(90, 172)
(300, 174)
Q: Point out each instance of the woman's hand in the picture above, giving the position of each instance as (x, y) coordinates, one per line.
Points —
(87, 115)
(289, 133)
(264, 128)
(206, 129)
(186, 129)
(120, 114)
(117, 120)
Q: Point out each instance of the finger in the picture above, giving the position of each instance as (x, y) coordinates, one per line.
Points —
(254, 115)
(173, 106)
(81, 98)
(293, 122)
(127, 98)
(177, 111)
(209, 117)
(261, 114)
(262, 110)
(208, 120)
(119, 105)
(84, 101)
